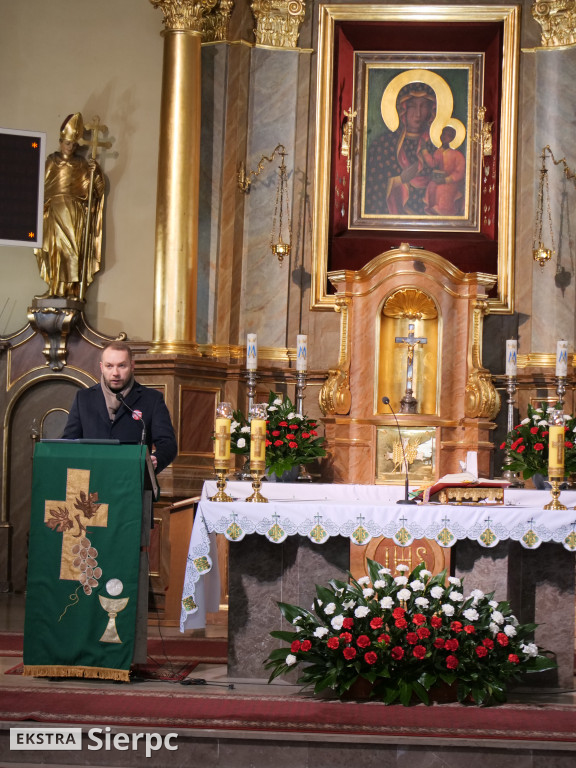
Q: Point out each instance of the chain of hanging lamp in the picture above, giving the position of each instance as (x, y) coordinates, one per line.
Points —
(540, 252)
(281, 244)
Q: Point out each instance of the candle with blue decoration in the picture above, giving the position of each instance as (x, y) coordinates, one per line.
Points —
(562, 358)
(251, 352)
(511, 357)
(301, 352)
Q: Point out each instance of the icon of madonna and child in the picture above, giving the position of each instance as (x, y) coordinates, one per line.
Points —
(415, 166)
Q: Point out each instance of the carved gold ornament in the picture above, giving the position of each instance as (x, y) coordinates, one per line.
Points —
(481, 400)
(558, 21)
(335, 396)
(410, 303)
(476, 495)
(346, 146)
(184, 14)
(278, 22)
(484, 134)
(217, 23)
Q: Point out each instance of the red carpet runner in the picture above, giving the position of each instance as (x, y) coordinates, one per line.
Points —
(182, 707)
(95, 703)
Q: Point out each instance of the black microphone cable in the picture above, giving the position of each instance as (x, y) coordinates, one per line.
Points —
(120, 398)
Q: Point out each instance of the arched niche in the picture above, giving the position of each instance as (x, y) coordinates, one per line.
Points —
(408, 352)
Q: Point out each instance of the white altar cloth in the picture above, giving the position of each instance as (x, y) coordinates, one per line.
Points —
(358, 512)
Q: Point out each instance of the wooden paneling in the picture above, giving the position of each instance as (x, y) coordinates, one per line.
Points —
(197, 414)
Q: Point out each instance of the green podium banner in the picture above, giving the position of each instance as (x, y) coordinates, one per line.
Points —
(83, 560)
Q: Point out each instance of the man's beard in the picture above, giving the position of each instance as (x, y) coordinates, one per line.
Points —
(115, 388)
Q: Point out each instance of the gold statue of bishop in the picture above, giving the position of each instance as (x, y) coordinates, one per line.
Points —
(73, 203)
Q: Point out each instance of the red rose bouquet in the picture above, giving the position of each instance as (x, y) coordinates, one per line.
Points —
(291, 439)
(406, 634)
(527, 444)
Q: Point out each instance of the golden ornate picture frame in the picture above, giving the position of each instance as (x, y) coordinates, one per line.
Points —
(330, 17)
(419, 444)
(447, 88)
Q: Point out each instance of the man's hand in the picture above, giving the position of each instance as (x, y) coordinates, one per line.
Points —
(154, 460)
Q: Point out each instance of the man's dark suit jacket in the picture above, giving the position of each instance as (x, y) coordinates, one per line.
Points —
(89, 419)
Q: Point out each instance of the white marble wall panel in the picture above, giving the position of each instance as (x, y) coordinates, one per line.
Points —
(553, 293)
(271, 120)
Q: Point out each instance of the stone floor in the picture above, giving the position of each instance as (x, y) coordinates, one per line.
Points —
(217, 749)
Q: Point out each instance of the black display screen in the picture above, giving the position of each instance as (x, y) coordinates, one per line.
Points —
(22, 158)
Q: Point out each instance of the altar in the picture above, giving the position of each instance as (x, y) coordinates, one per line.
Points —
(302, 537)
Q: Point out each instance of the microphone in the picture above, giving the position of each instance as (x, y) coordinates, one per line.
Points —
(405, 500)
(135, 414)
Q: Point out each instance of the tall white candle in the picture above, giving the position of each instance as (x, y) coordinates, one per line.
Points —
(562, 358)
(251, 352)
(302, 352)
(511, 357)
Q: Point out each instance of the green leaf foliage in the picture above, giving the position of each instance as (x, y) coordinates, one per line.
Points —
(291, 439)
(527, 444)
(405, 635)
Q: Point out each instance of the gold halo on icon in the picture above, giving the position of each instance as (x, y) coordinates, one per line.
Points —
(444, 104)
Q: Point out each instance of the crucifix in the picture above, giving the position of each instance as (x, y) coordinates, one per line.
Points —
(408, 404)
(94, 143)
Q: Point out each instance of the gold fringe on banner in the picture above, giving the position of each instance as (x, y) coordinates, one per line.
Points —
(103, 673)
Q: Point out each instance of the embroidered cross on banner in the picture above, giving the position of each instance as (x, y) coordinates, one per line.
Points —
(70, 517)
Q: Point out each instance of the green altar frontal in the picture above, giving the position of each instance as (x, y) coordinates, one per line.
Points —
(84, 560)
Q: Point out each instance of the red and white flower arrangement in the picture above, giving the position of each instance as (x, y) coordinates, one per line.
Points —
(527, 443)
(406, 634)
(291, 439)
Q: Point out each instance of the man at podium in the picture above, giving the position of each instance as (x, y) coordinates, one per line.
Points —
(119, 408)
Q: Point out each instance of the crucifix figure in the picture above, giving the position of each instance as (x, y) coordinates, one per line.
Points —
(408, 404)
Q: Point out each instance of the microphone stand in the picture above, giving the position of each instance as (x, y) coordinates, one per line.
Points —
(405, 500)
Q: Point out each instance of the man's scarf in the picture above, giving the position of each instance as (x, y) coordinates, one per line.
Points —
(112, 402)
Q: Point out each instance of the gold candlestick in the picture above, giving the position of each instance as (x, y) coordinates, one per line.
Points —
(221, 494)
(222, 450)
(555, 491)
(257, 473)
(258, 416)
(556, 439)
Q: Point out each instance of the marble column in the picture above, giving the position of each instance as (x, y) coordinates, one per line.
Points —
(175, 283)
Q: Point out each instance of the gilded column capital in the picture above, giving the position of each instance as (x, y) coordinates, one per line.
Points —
(278, 22)
(217, 23)
(558, 21)
(184, 15)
